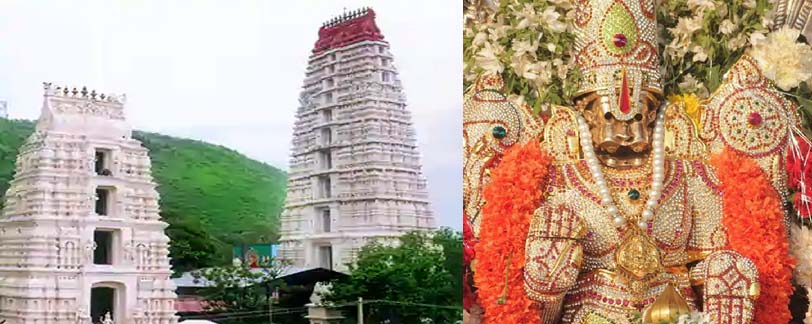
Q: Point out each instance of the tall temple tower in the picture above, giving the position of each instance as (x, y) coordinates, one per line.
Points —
(355, 172)
(80, 234)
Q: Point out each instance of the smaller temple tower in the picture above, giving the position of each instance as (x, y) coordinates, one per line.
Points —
(80, 234)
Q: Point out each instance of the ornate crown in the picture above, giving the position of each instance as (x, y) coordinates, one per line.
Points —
(616, 50)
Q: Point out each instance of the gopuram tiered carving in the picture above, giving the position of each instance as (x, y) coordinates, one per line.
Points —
(355, 171)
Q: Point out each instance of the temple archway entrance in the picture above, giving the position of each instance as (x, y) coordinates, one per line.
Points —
(106, 298)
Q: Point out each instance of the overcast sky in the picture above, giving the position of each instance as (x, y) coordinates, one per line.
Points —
(230, 72)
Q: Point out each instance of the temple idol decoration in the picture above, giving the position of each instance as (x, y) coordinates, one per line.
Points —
(627, 203)
(355, 172)
(81, 240)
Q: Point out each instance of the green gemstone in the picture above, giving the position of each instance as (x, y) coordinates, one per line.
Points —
(499, 132)
(634, 194)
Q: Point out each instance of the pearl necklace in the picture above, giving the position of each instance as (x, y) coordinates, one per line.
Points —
(658, 170)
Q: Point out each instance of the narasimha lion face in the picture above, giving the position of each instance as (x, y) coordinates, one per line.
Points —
(621, 139)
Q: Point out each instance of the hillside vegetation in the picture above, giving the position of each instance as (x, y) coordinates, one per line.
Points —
(211, 196)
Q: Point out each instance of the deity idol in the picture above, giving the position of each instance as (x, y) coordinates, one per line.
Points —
(619, 208)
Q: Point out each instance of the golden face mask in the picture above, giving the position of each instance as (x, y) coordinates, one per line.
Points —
(630, 136)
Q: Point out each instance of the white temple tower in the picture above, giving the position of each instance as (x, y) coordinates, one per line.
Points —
(355, 171)
(3, 109)
(80, 234)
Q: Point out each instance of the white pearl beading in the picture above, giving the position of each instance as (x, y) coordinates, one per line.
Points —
(657, 179)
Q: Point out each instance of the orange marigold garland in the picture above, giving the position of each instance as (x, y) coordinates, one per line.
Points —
(514, 192)
(754, 221)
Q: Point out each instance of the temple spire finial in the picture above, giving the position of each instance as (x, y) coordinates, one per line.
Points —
(344, 16)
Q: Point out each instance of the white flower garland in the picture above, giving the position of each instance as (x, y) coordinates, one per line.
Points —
(801, 248)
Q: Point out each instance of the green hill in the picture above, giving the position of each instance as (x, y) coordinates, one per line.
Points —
(211, 196)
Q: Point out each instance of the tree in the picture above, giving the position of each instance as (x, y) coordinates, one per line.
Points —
(451, 241)
(240, 289)
(402, 282)
(191, 245)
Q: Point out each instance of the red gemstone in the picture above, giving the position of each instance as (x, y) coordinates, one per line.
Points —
(619, 40)
(754, 119)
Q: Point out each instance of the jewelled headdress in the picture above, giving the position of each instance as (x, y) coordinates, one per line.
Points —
(616, 50)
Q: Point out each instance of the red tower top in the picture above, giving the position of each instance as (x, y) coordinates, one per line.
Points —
(349, 28)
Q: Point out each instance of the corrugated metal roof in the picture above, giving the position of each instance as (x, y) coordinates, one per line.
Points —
(190, 280)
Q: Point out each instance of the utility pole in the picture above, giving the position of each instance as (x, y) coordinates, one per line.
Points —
(360, 310)
(271, 300)
(270, 310)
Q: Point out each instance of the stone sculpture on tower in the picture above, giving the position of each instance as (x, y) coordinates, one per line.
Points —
(623, 206)
(81, 240)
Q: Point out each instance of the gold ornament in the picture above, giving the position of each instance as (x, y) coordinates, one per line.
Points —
(668, 306)
(639, 256)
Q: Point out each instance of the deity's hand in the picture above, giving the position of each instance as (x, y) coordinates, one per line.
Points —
(730, 286)
(553, 257)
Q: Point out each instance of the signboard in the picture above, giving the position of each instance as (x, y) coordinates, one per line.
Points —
(255, 253)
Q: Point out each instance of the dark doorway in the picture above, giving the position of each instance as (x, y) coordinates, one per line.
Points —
(102, 301)
(104, 247)
(102, 197)
(102, 162)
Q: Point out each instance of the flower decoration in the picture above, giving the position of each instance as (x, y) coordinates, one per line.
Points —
(528, 43)
(801, 245)
(691, 318)
(799, 174)
(701, 39)
(692, 107)
(753, 213)
(694, 318)
(783, 59)
(513, 194)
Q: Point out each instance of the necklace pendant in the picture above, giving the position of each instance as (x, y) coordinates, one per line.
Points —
(638, 256)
